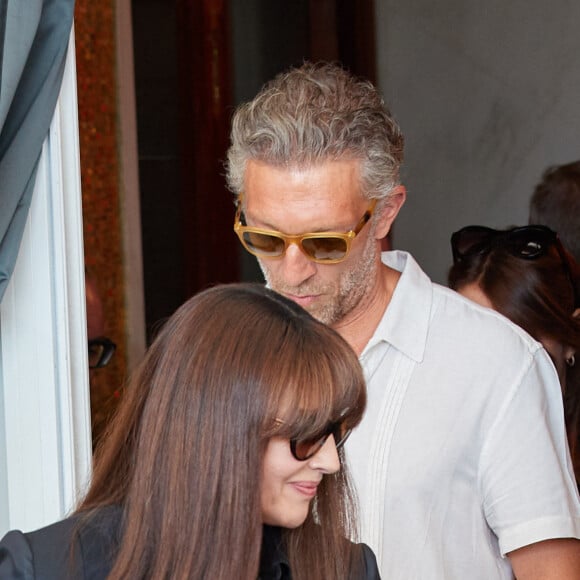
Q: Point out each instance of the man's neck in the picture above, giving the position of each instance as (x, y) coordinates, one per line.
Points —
(359, 326)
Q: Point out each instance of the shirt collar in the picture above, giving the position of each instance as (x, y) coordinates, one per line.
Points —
(273, 560)
(405, 324)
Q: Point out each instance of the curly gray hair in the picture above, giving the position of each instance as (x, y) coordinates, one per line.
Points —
(312, 114)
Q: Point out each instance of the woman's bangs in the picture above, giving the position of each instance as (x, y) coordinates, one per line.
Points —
(315, 391)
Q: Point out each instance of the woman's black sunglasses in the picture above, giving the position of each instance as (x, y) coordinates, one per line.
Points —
(303, 449)
(526, 242)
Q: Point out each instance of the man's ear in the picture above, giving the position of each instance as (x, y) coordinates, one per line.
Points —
(576, 313)
(389, 210)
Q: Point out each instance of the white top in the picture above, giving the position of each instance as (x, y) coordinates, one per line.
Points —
(461, 456)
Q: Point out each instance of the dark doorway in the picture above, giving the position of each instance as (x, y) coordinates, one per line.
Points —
(194, 60)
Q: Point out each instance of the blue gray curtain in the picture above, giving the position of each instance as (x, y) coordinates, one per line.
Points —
(34, 37)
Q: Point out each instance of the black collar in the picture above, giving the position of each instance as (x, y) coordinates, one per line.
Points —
(273, 560)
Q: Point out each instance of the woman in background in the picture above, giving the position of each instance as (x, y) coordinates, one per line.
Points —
(527, 275)
(223, 460)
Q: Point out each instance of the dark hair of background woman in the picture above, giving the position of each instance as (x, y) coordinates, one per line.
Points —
(184, 453)
(537, 295)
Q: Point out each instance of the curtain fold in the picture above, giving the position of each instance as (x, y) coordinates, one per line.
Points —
(34, 36)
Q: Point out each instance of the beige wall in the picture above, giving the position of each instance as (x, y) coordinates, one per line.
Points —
(487, 95)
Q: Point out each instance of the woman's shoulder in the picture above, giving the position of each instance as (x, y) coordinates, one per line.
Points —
(15, 557)
(21, 555)
(371, 567)
(77, 547)
(364, 564)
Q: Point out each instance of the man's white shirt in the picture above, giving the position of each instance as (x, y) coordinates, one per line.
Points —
(461, 456)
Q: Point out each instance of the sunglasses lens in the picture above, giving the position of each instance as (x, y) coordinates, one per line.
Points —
(306, 448)
(327, 248)
(303, 449)
(101, 350)
(264, 244)
(471, 240)
(528, 243)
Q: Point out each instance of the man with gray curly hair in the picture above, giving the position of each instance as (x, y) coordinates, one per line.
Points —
(461, 459)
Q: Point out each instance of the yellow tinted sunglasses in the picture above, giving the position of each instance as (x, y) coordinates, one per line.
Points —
(320, 247)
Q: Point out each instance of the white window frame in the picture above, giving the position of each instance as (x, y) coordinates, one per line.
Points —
(45, 436)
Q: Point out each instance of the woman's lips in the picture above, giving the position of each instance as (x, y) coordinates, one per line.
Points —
(306, 488)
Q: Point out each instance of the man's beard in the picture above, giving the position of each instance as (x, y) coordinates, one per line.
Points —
(340, 298)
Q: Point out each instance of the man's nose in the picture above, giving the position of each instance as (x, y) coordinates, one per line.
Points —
(296, 266)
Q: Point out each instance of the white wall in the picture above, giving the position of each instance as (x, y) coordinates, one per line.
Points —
(488, 95)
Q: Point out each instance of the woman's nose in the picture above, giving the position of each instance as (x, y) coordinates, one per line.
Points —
(326, 458)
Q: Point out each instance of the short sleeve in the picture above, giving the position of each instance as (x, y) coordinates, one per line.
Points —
(525, 474)
(15, 557)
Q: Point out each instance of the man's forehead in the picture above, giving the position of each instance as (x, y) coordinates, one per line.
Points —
(294, 200)
(335, 180)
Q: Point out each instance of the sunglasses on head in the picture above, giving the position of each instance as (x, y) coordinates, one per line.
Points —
(303, 449)
(320, 247)
(526, 242)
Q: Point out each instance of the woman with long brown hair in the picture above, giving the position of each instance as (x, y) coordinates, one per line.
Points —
(224, 458)
(528, 276)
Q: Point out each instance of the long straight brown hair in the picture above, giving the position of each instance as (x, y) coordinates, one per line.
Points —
(183, 456)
